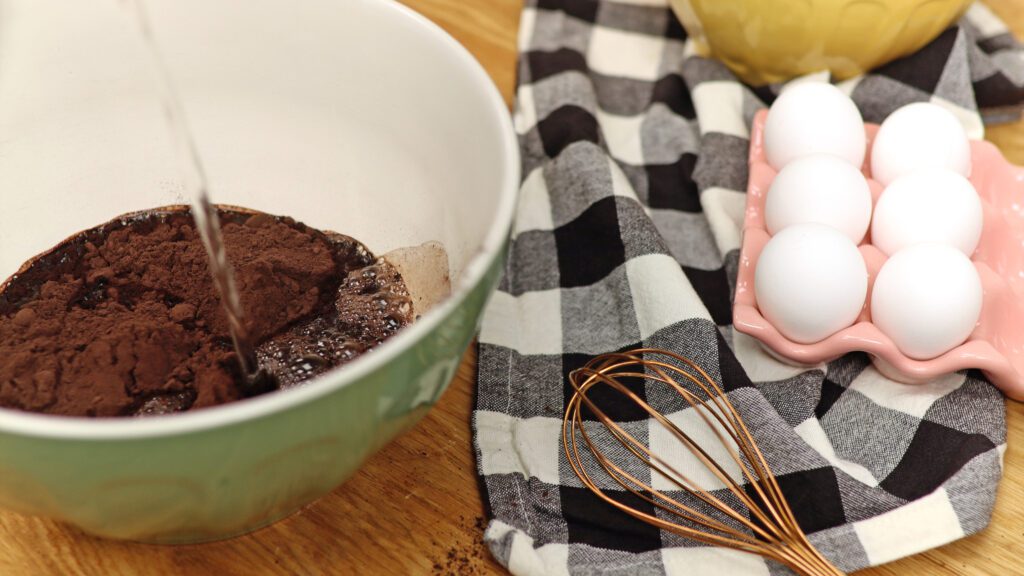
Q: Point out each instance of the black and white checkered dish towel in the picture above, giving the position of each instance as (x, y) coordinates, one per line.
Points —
(628, 233)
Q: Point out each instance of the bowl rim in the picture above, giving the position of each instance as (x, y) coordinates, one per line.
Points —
(29, 424)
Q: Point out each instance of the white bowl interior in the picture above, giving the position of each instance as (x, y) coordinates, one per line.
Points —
(298, 108)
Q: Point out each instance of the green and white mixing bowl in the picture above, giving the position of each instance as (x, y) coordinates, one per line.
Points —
(358, 116)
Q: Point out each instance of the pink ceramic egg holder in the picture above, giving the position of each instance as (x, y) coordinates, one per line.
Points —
(997, 344)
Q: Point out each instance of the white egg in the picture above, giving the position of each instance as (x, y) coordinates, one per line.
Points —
(813, 118)
(928, 206)
(918, 136)
(927, 298)
(810, 281)
(822, 189)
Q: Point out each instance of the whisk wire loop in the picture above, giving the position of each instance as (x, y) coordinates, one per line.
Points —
(659, 464)
(763, 524)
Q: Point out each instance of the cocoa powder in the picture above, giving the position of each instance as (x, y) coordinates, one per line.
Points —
(123, 319)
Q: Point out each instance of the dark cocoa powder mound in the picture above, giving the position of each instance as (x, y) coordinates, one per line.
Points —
(123, 319)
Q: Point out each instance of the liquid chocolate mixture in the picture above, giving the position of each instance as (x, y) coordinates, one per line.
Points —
(123, 319)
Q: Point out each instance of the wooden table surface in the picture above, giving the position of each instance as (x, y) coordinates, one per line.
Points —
(415, 507)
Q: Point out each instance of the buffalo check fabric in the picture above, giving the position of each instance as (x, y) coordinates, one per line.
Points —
(628, 233)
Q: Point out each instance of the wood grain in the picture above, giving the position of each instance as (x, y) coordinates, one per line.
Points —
(415, 507)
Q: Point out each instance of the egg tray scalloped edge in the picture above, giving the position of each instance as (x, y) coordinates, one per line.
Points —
(996, 346)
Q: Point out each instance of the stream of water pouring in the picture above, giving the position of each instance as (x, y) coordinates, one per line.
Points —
(203, 211)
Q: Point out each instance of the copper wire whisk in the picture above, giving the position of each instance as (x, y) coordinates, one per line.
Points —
(764, 524)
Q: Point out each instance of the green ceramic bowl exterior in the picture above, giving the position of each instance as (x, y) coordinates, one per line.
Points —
(227, 480)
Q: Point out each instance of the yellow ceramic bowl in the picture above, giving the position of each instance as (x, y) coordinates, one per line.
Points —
(767, 41)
